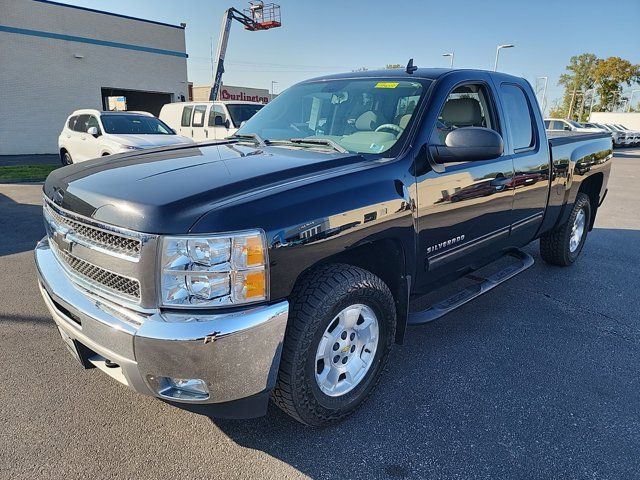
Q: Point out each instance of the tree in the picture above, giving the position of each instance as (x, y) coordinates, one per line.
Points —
(579, 79)
(610, 76)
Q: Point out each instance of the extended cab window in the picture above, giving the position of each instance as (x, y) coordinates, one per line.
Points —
(466, 106)
(186, 116)
(198, 116)
(362, 115)
(518, 115)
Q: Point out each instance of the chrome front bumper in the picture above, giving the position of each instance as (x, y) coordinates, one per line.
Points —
(236, 354)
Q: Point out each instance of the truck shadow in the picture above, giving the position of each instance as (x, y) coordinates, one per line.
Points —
(21, 225)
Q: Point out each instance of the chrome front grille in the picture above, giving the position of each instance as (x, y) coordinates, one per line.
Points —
(106, 260)
(96, 236)
(98, 277)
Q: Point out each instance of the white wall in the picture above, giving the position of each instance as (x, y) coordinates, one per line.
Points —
(42, 82)
(630, 120)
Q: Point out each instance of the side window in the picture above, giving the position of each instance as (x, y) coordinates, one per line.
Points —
(81, 123)
(466, 106)
(518, 115)
(186, 116)
(72, 122)
(547, 124)
(198, 116)
(93, 122)
(216, 111)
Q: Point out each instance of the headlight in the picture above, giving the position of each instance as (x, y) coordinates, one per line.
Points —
(214, 270)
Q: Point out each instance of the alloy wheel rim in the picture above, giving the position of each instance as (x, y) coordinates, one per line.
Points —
(577, 231)
(346, 350)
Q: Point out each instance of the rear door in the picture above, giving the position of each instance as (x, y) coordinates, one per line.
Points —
(78, 141)
(531, 160)
(185, 121)
(464, 208)
(199, 130)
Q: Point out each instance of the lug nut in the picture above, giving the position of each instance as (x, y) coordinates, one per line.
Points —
(344, 360)
(343, 335)
(353, 335)
(336, 358)
(336, 346)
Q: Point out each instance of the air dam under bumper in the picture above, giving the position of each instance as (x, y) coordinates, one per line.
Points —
(236, 354)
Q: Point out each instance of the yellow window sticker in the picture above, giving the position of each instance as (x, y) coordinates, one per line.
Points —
(387, 84)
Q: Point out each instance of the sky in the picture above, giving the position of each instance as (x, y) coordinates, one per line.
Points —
(330, 36)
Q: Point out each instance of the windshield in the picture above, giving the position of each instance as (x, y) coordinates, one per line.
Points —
(242, 112)
(134, 124)
(575, 124)
(359, 115)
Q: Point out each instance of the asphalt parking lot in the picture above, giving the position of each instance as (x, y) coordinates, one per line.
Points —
(537, 379)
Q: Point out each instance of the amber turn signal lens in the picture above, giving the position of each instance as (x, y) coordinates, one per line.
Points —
(255, 284)
(255, 251)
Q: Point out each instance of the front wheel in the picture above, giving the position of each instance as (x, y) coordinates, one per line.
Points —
(341, 328)
(66, 159)
(562, 245)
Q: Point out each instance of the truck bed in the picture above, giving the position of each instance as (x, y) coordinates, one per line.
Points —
(562, 138)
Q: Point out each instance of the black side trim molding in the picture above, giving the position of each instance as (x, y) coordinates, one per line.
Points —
(443, 258)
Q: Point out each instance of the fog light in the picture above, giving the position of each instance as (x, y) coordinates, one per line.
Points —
(184, 389)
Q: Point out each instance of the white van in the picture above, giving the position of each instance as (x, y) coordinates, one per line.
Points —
(208, 120)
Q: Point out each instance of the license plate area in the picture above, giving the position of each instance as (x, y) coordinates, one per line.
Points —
(77, 350)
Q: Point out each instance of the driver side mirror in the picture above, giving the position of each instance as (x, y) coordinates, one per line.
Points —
(219, 121)
(468, 144)
(93, 131)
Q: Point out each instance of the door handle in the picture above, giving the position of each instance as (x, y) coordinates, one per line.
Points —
(206, 133)
(500, 183)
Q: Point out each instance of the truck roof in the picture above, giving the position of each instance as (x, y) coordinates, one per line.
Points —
(423, 73)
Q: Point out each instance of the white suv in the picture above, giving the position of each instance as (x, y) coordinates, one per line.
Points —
(91, 133)
(562, 124)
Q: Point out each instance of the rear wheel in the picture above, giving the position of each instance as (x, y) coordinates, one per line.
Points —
(65, 158)
(341, 328)
(563, 244)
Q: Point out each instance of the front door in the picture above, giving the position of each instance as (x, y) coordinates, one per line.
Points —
(464, 208)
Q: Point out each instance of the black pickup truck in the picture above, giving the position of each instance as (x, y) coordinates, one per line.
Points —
(286, 261)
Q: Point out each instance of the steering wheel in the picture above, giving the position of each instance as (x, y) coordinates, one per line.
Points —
(390, 126)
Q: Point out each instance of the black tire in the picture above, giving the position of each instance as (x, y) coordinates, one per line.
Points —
(65, 158)
(316, 300)
(555, 245)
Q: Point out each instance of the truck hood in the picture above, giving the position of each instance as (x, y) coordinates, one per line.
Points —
(148, 141)
(166, 190)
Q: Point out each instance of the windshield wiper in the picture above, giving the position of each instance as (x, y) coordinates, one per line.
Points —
(320, 141)
(257, 139)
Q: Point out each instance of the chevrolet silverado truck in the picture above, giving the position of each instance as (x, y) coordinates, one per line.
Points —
(284, 263)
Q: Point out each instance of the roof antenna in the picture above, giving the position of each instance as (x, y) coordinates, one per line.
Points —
(410, 67)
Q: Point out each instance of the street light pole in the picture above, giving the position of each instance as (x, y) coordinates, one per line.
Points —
(450, 55)
(631, 98)
(500, 47)
(273, 82)
(544, 92)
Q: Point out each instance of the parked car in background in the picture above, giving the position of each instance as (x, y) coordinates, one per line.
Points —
(208, 120)
(633, 136)
(619, 136)
(562, 124)
(91, 133)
